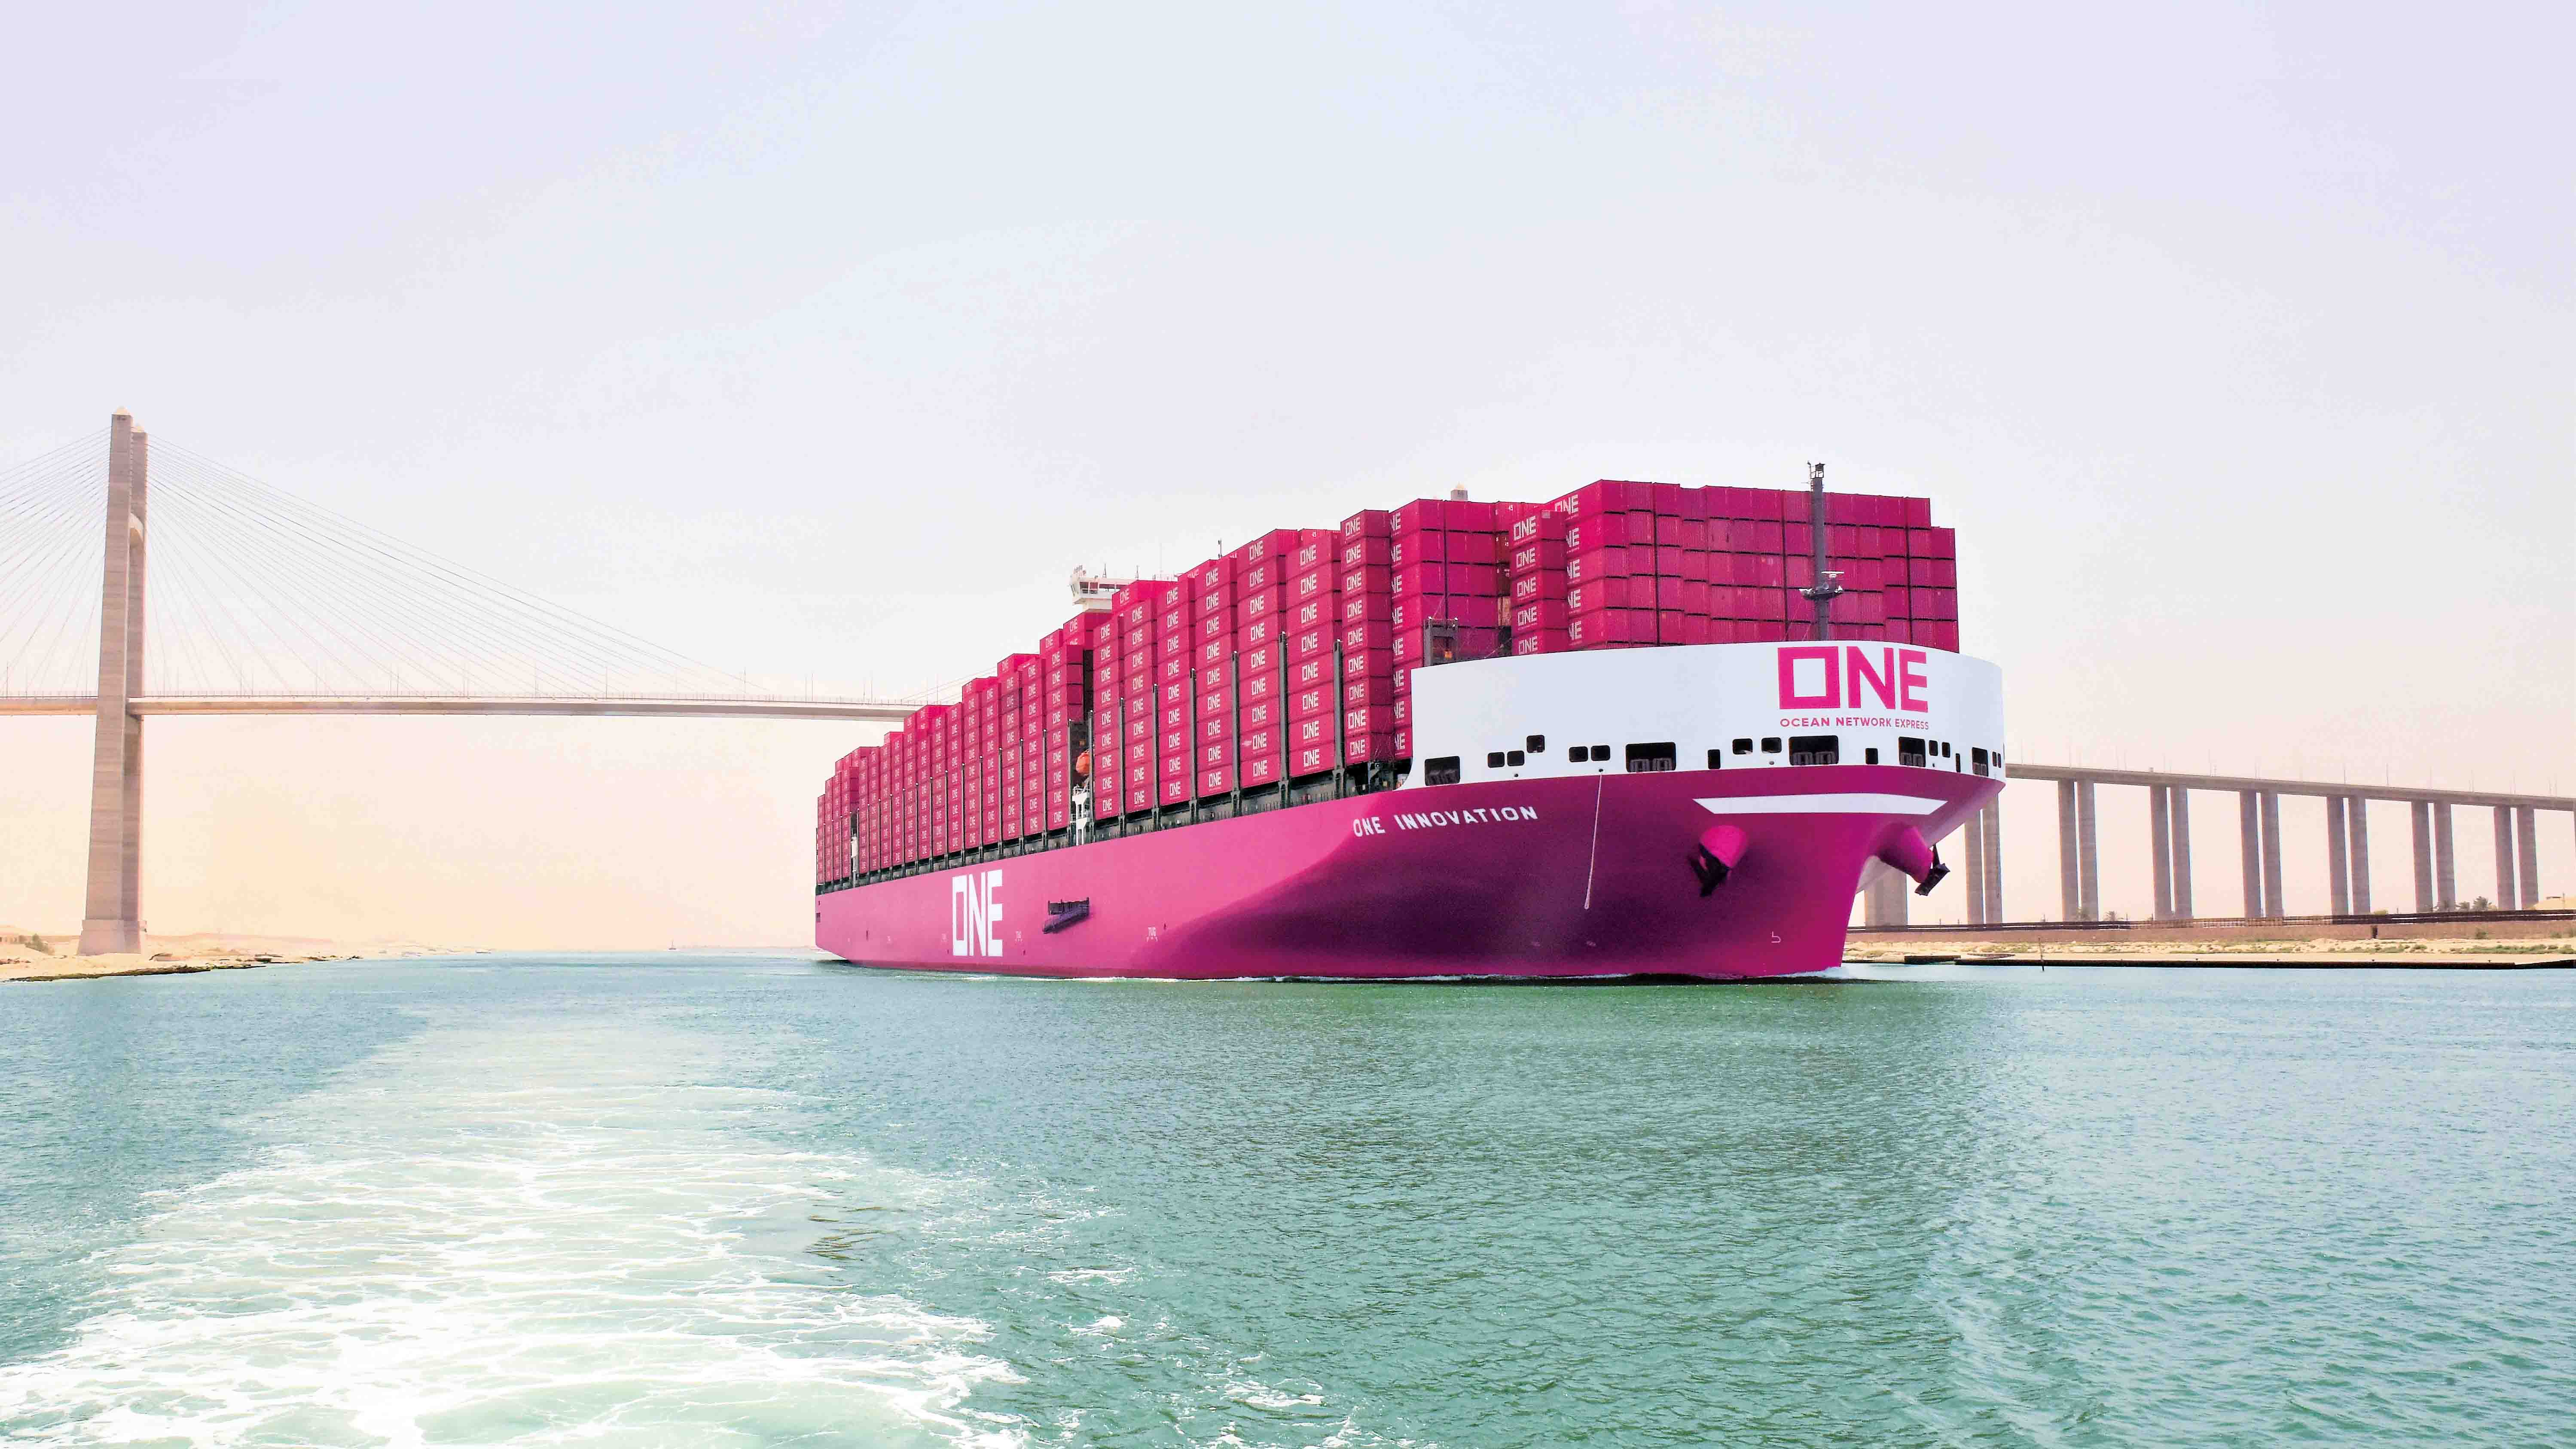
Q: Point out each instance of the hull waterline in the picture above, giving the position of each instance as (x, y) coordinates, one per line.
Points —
(1577, 876)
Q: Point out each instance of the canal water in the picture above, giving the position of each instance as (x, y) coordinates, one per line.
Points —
(758, 1200)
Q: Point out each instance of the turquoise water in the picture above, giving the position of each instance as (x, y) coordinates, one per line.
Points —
(736, 1201)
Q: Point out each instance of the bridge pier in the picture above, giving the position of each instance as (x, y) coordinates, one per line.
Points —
(2419, 814)
(2338, 861)
(1994, 852)
(1972, 844)
(2070, 895)
(2527, 851)
(2347, 821)
(1882, 896)
(2088, 857)
(2249, 828)
(2273, 906)
(112, 920)
(2160, 849)
(2508, 896)
(2178, 808)
(2446, 887)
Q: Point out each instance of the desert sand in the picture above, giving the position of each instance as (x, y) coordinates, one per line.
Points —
(40, 956)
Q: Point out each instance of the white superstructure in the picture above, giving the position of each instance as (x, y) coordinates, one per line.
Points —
(1706, 706)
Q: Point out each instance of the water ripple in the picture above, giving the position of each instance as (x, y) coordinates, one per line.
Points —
(521, 1237)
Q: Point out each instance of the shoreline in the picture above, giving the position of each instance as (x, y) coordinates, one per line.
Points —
(21, 963)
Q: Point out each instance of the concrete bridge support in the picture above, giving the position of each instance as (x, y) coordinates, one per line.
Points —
(2420, 814)
(2249, 826)
(2178, 807)
(2508, 896)
(2070, 879)
(2160, 847)
(2258, 802)
(2526, 850)
(2273, 905)
(2446, 886)
(2338, 857)
(1972, 847)
(112, 920)
(1994, 852)
(2088, 856)
(1882, 896)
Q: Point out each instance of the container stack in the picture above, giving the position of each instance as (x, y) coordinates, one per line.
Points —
(1293, 655)
(1206, 716)
(1368, 637)
(1262, 612)
(1174, 680)
(1312, 706)
(1537, 583)
(1448, 600)
(1129, 656)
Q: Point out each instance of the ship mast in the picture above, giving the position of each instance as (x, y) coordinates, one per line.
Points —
(1826, 586)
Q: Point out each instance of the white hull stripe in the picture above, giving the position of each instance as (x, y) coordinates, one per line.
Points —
(1847, 804)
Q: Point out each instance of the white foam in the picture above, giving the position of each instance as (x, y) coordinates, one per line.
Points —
(545, 1236)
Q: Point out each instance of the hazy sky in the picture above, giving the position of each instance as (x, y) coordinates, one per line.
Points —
(822, 341)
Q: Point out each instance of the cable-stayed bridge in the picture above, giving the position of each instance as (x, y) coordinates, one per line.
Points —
(260, 602)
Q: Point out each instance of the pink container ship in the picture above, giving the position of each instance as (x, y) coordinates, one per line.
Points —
(1453, 740)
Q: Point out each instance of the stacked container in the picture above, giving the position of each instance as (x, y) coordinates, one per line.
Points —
(1294, 653)
(1206, 716)
(1368, 637)
(1537, 583)
(1448, 595)
(1243, 721)
(1311, 711)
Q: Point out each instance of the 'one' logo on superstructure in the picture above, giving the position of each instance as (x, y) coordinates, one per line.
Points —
(1814, 676)
(975, 914)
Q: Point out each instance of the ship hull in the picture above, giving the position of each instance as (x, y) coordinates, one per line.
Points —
(1579, 876)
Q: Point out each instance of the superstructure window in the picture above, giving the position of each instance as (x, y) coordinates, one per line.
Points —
(1442, 771)
(1716, 758)
(1493, 759)
(1600, 753)
(1515, 759)
(1977, 759)
(1536, 744)
(1743, 747)
(1650, 759)
(1869, 756)
(1909, 751)
(1770, 744)
(1815, 749)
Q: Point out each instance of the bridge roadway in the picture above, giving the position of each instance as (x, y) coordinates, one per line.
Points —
(681, 707)
(2321, 789)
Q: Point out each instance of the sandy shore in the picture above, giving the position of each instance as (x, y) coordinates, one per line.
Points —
(28, 956)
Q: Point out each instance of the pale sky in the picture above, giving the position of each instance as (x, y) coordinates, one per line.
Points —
(824, 342)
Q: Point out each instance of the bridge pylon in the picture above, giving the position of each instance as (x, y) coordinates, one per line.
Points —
(113, 919)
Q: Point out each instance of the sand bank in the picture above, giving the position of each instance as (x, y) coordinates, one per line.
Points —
(29, 956)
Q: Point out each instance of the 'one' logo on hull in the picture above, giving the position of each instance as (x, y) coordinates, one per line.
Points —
(975, 914)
